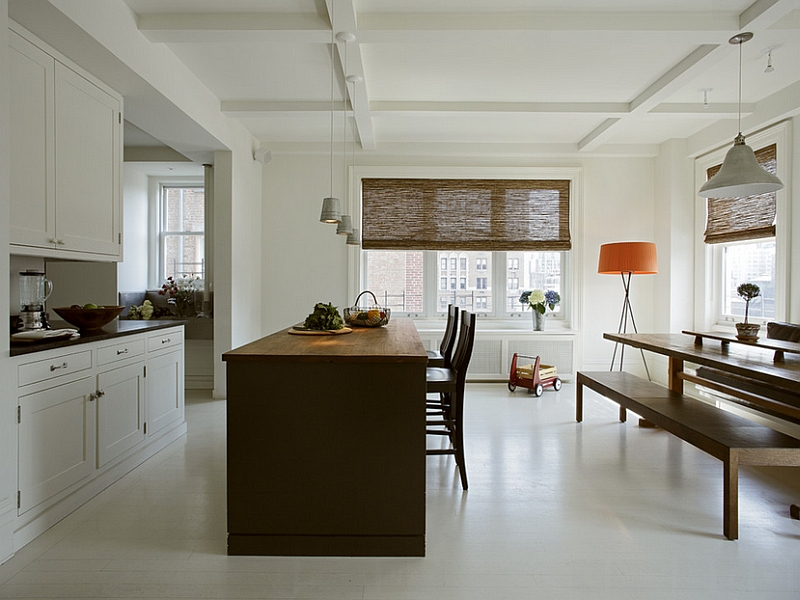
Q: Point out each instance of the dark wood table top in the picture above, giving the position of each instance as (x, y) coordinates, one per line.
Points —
(747, 360)
(398, 341)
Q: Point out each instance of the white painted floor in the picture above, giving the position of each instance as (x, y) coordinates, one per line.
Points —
(555, 510)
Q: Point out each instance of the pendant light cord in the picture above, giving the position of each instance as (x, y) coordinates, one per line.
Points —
(333, 50)
(740, 85)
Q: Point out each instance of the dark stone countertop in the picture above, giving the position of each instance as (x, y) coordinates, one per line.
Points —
(115, 329)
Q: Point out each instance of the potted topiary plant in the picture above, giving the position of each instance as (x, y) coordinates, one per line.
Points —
(747, 331)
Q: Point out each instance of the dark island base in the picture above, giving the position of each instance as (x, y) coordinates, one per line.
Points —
(323, 545)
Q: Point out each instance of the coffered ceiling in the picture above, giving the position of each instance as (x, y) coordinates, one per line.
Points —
(578, 76)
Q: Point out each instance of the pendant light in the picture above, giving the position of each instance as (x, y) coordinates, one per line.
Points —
(331, 207)
(740, 175)
(345, 226)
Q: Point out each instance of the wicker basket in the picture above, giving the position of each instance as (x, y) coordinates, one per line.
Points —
(369, 316)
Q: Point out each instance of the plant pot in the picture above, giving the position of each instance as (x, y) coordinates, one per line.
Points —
(747, 332)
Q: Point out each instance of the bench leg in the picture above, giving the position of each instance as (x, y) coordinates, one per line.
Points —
(579, 400)
(730, 506)
(623, 414)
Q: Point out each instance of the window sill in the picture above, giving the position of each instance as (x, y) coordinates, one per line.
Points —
(514, 326)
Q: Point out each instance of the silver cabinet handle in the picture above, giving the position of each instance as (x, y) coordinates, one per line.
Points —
(56, 367)
(122, 351)
(166, 341)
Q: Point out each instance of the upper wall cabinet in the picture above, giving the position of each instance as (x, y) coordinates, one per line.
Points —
(66, 157)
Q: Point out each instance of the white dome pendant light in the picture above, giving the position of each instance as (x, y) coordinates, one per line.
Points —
(740, 175)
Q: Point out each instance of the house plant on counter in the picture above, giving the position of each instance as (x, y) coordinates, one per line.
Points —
(539, 301)
(747, 331)
(180, 295)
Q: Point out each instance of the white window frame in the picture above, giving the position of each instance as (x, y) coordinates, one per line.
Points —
(568, 318)
(708, 266)
(156, 185)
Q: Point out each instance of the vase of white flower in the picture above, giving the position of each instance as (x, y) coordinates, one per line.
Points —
(539, 302)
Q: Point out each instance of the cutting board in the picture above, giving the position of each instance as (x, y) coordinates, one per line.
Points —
(341, 331)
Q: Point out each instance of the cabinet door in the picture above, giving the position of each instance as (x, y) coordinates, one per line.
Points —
(164, 383)
(32, 169)
(120, 411)
(87, 141)
(56, 439)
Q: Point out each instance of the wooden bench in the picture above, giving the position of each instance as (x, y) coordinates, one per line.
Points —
(732, 439)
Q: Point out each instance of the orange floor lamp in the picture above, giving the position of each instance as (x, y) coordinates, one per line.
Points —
(627, 259)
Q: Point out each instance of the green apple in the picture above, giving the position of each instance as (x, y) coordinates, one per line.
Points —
(90, 305)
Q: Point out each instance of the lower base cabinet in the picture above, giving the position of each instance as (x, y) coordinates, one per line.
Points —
(56, 438)
(89, 415)
(120, 411)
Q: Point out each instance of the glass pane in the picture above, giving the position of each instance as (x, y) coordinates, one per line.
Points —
(184, 255)
(532, 271)
(472, 289)
(395, 277)
(184, 209)
(751, 262)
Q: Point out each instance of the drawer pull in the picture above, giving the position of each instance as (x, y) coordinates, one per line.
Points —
(122, 351)
(56, 367)
(166, 341)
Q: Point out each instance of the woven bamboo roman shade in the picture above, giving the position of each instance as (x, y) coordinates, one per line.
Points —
(750, 218)
(465, 214)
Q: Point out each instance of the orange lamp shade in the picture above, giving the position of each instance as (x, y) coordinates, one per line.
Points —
(638, 258)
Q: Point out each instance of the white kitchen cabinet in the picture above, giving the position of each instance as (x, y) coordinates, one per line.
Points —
(120, 411)
(56, 440)
(88, 414)
(164, 381)
(66, 140)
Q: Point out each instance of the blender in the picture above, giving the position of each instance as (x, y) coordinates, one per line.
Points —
(34, 289)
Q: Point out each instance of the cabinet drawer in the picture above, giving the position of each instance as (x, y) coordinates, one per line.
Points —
(54, 368)
(120, 351)
(166, 339)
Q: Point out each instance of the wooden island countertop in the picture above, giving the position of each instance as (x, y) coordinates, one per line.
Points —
(326, 444)
(396, 342)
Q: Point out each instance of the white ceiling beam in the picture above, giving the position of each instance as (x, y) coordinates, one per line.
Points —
(605, 108)
(346, 21)
(259, 108)
(176, 28)
(764, 13)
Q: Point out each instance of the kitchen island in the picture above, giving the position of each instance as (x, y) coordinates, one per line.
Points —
(326, 444)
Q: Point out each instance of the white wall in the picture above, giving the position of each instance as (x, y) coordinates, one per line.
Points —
(306, 262)
(132, 271)
(7, 405)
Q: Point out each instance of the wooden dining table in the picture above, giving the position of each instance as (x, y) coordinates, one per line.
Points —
(326, 443)
(754, 361)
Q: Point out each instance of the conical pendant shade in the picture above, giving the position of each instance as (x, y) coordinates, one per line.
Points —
(345, 226)
(740, 175)
(354, 239)
(331, 213)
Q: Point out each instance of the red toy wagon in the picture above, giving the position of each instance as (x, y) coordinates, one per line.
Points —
(534, 376)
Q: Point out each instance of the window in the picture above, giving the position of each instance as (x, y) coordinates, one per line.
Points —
(465, 228)
(181, 232)
(396, 279)
(746, 239)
